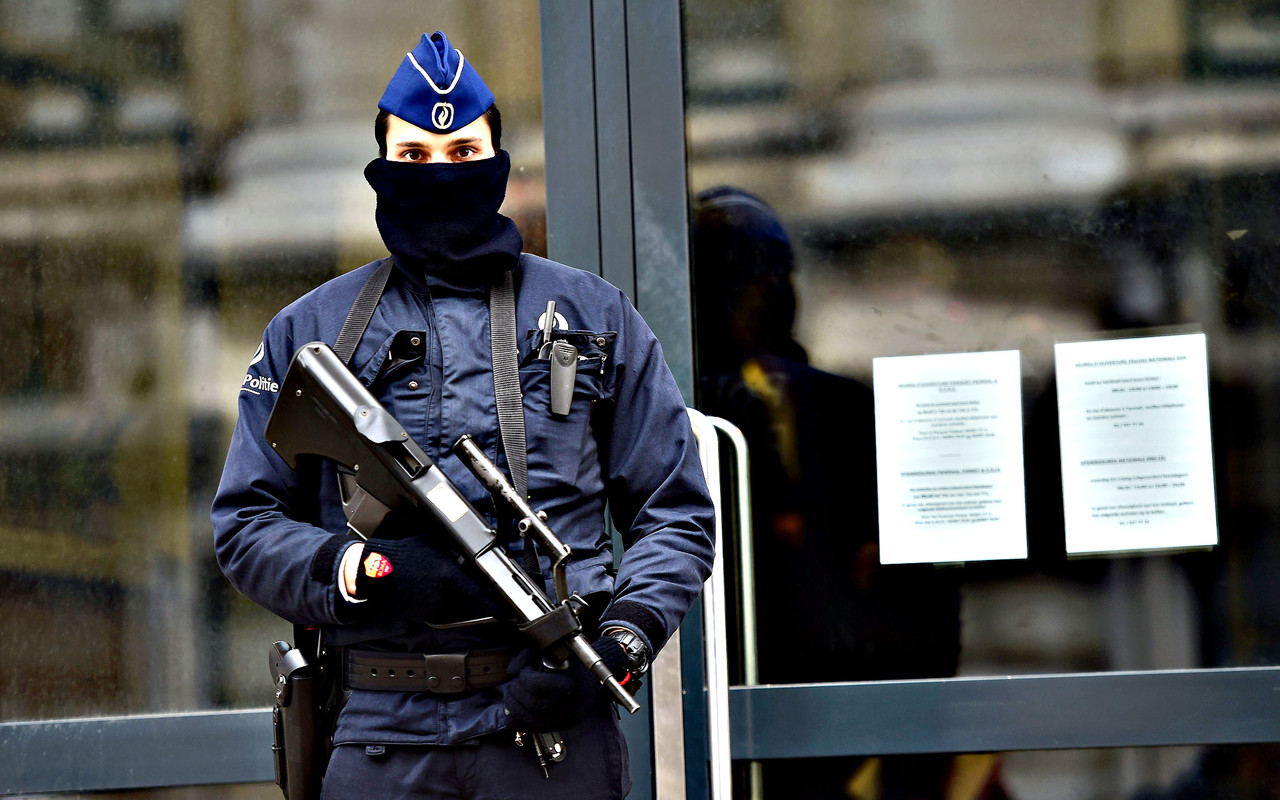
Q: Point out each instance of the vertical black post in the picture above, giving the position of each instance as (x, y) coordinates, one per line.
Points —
(613, 136)
(660, 191)
(617, 205)
(569, 130)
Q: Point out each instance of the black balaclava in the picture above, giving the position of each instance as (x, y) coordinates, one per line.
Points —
(442, 220)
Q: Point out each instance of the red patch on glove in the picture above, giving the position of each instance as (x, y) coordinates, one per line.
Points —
(376, 566)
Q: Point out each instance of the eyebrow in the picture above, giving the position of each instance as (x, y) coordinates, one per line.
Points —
(469, 140)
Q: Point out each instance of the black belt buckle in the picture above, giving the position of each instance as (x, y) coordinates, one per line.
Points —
(446, 672)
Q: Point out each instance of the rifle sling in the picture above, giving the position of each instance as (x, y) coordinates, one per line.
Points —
(362, 311)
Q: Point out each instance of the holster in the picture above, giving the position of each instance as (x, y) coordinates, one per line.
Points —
(303, 714)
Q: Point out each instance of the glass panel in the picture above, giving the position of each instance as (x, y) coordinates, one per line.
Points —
(890, 179)
(1163, 773)
(239, 791)
(172, 174)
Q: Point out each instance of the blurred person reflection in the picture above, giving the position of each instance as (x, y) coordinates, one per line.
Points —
(826, 609)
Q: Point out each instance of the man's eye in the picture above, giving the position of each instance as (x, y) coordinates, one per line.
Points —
(412, 155)
(465, 152)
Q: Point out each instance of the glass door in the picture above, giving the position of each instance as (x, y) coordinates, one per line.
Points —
(885, 197)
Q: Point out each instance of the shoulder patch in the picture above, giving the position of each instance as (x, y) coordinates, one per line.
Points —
(258, 384)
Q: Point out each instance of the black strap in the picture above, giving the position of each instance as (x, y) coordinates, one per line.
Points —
(510, 400)
(506, 380)
(362, 311)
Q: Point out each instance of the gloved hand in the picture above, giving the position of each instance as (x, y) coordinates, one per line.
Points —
(541, 700)
(416, 578)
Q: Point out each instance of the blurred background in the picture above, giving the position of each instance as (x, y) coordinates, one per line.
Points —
(868, 178)
(173, 174)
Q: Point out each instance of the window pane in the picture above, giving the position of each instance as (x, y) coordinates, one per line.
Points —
(171, 175)
(893, 179)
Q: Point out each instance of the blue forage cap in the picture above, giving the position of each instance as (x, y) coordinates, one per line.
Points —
(436, 88)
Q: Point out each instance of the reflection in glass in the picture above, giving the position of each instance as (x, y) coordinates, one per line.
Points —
(908, 178)
(824, 610)
(171, 175)
(1164, 773)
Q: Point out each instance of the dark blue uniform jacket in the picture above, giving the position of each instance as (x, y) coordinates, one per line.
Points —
(426, 356)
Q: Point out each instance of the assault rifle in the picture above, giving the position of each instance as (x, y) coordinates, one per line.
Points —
(323, 410)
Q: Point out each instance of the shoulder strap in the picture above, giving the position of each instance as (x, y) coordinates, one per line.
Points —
(362, 311)
(510, 400)
(506, 380)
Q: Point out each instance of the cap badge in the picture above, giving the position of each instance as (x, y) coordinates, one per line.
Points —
(442, 115)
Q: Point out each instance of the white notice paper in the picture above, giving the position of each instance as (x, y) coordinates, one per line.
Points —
(1137, 463)
(949, 457)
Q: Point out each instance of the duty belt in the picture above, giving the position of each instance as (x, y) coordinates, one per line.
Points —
(437, 673)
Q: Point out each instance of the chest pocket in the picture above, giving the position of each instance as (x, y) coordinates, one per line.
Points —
(594, 354)
(400, 359)
(561, 446)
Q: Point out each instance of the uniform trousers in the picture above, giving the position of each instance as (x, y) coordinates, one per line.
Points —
(493, 767)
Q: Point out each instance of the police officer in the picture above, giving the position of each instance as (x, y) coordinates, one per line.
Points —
(617, 433)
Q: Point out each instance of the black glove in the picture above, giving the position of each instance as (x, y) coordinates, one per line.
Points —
(541, 700)
(416, 578)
